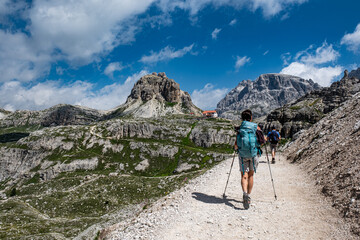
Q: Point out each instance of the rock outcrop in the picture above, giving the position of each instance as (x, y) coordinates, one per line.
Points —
(3, 113)
(267, 92)
(61, 114)
(309, 109)
(330, 151)
(355, 73)
(156, 95)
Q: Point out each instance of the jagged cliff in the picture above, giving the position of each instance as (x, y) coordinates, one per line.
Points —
(156, 95)
(309, 109)
(330, 151)
(267, 92)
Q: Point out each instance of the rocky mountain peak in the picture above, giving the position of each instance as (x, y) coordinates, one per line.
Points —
(156, 95)
(158, 86)
(266, 93)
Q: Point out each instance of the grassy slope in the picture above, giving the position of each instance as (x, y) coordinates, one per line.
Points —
(73, 201)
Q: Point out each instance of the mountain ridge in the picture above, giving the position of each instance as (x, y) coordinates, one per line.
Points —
(267, 92)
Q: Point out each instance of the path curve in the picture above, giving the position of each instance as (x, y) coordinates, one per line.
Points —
(198, 210)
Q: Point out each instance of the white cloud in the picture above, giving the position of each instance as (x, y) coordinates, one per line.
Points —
(286, 58)
(208, 97)
(8, 7)
(233, 22)
(19, 59)
(322, 54)
(273, 7)
(14, 95)
(81, 30)
(112, 67)
(352, 40)
(241, 61)
(309, 64)
(266, 52)
(215, 33)
(165, 54)
(78, 32)
(269, 7)
(321, 75)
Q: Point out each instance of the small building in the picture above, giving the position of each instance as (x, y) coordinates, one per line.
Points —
(212, 114)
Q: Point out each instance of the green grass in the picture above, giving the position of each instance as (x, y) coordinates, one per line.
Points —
(295, 108)
(34, 179)
(170, 104)
(23, 129)
(74, 201)
(314, 103)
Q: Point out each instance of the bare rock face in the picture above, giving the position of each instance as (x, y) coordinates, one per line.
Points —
(156, 95)
(312, 107)
(355, 73)
(330, 151)
(61, 114)
(3, 113)
(267, 92)
(163, 88)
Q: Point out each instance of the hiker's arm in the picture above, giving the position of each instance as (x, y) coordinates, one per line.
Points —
(260, 137)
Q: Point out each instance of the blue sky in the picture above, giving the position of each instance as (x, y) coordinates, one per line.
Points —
(91, 53)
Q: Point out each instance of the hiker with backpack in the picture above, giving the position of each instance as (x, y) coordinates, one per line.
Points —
(273, 137)
(247, 144)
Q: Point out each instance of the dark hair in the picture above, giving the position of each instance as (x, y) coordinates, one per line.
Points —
(246, 115)
(273, 128)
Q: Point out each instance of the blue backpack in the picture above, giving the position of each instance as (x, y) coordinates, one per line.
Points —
(246, 140)
(273, 137)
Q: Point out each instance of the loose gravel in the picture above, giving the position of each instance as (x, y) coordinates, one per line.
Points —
(199, 211)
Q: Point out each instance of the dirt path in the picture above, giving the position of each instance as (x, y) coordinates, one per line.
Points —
(198, 211)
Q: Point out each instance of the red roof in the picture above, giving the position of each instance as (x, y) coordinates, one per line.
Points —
(209, 112)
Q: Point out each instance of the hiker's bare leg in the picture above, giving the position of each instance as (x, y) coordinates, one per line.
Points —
(244, 181)
(250, 181)
(273, 153)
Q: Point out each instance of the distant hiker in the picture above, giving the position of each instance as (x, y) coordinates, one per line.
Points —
(273, 137)
(248, 141)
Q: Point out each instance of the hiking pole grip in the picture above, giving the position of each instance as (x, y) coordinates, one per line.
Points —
(272, 180)
(229, 175)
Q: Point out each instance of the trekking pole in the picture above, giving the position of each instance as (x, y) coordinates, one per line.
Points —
(224, 196)
(272, 180)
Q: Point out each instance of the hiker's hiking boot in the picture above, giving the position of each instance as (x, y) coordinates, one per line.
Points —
(273, 161)
(246, 200)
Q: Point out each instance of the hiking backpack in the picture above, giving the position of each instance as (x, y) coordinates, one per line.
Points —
(274, 137)
(246, 140)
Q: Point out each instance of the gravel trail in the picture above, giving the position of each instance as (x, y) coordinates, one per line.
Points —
(198, 210)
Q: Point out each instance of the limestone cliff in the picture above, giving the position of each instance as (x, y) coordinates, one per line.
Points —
(156, 95)
(267, 92)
